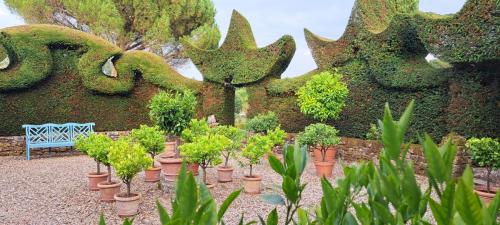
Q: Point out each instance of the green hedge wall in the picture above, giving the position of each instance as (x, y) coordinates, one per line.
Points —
(382, 55)
(55, 75)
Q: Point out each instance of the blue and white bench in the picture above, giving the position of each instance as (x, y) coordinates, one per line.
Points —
(54, 135)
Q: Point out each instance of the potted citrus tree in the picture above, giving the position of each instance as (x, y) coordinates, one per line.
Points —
(152, 139)
(195, 129)
(98, 149)
(206, 151)
(82, 144)
(128, 158)
(236, 136)
(256, 147)
(485, 153)
(321, 137)
(172, 113)
(323, 98)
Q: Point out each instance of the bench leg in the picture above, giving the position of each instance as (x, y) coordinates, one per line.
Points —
(27, 153)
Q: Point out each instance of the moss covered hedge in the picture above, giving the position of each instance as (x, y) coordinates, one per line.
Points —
(55, 75)
(382, 56)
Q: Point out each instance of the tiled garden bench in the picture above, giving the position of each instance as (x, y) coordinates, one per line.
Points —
(54, 135)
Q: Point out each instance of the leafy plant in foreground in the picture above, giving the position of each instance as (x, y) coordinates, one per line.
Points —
(294, 163)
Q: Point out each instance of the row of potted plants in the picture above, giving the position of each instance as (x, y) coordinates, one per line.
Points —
(128, 156)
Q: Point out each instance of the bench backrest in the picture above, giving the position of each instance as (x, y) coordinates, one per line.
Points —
(54, 135)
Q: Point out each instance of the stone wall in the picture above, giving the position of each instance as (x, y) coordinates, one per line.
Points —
(350, 149)
(16, 146)
(353, 149)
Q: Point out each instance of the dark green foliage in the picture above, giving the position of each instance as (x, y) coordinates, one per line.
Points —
(381, 56)
(238, 61)
(172, 112)
(263, 123)
(294, 163)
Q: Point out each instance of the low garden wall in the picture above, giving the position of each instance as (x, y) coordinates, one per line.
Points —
(350, 149)
(16, 145)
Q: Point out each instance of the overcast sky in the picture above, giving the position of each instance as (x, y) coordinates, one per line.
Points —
(270, 19)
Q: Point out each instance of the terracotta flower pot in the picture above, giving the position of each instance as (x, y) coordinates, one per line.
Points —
(95, 178)
(127, 206)
(251, 184)
(210, 186)
(324, 168)
(485, 195)
(108, 190)
(170, 167)
(329, 156)
(170, 146)
(152, 174)
(194, 168)
(225, 174)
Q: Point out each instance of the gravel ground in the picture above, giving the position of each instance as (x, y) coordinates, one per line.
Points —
(54, 191)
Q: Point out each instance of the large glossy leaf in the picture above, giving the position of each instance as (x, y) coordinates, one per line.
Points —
(227, 203)
(101, 220)
(276, 165)
(468, 204)
(404, 120)
(272, 218)
(290, 189)
(164, 218)
(390, 135)
(274, 199)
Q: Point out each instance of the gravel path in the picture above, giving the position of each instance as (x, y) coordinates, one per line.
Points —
(54, 191)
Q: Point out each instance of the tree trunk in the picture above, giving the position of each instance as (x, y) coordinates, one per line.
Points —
(250, 170)
(98, 167)
(226, 161)
(323, 153)
(109, 174)
(488, 179)
(204, 174)
(152, 157)
(128, 188)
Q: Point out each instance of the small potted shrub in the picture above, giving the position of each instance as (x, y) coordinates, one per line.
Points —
(172, 113)
(321, 137)
(195, 129)
(256, 147)
(128, 158)
(83, 144)
(262, 123)
(99, 150)
(206, 151)
(323, 98)
(152, 139)
(277, 137)
(236, 136)
(485, 153)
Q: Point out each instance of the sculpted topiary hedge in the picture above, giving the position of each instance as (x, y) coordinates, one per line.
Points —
(55, 74)
(382, 57)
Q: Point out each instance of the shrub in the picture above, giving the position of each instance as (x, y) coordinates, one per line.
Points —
(486, 153)
(277, 136)
(234, 134)
(323, 97)
(373, 133)
(205, 150)
(151, 138)
(263, 122)
(128, 158)
(96, 146)
(172, 113)
(257, 146)
(195, 129)
(319, 135)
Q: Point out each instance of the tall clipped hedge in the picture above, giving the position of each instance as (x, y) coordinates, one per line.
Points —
(55, 75)
(382, 56)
